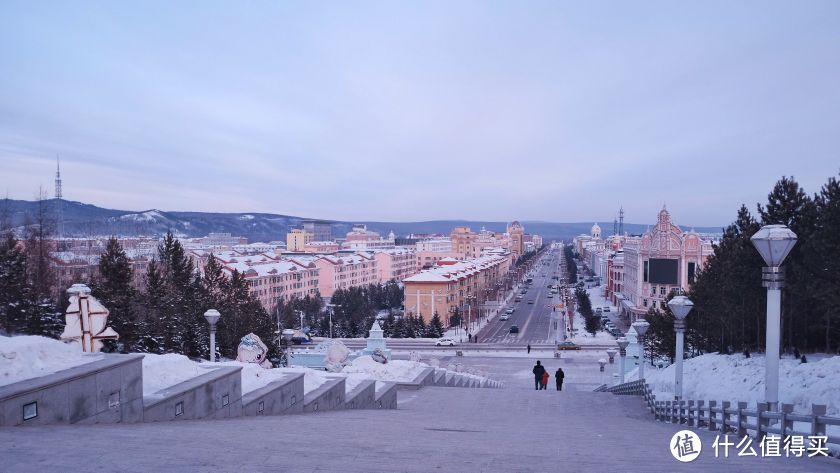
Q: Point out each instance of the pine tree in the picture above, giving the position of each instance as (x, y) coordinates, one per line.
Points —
(824, 258)
(435, 328)
(113, 288)
(16, 297)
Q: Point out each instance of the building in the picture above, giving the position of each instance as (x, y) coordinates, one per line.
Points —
(395, 264)
(342, 271)
(321, 247)
(664, 259)
(320, 230)
(361, 233)
(454, 287)
(434, 244)
(271, 281)
(297, 239)
(516, 233)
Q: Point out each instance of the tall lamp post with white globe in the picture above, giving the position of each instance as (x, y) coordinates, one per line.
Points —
(680, 306)
(212, 317)
(773, 242)
(622, 351)
(641, 328)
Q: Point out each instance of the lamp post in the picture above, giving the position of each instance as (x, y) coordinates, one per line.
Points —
(287, 335)
(773, 242)
(680, 306)
(611, 353)
(622, 351)
(641, 327)
(212, 317)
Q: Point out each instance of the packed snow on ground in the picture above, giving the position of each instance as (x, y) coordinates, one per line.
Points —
(737, 378)
(163, 371)
(26, 357)
(394, 370)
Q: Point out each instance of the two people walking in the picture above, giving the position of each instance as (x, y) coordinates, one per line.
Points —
(541, 377)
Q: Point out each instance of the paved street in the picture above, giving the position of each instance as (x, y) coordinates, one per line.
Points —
(535, 321)
(434, 429)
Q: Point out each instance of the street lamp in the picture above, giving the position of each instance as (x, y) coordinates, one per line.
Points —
(641, 327)
(331, 308)
(622, 351)
(611, 353)
(212, 317)
(773, 242)
(287, 335)
(680, 306)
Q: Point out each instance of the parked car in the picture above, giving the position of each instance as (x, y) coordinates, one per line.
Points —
(568, 346)
(510, 310)
(530, 301)
(446, 342)
(504, 317)
(606, 309)
(514, 329)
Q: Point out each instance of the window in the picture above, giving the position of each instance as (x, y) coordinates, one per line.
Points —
(661, 290)
(644, 302)
(692, 268)
(646, 271)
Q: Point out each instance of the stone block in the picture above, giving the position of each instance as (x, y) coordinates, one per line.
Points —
(327, 397)
(363, 396)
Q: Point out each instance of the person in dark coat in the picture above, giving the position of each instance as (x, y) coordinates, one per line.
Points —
(558, 378)
(529, 350)
(539, 371)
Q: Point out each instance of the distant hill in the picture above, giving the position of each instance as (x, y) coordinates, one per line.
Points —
(84, 220)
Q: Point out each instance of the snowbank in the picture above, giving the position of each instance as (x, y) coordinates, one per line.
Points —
(27, 357)
(736, 378)
(255, 376)
(312, 379)
(394, 370)
(163, 371)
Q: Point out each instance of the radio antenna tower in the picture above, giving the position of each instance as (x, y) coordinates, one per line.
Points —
(58, 196)
(621, 221)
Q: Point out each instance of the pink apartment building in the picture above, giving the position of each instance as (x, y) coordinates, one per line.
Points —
(396, 264)
(341, 271)
(272, 281)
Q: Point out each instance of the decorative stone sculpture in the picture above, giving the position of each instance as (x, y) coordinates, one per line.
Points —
(337, 355)
(252, 350)
(378, 356)
(413, 356)
(86, 320)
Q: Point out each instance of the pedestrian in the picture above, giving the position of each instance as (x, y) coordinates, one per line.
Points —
(796, 353)
(538, 371)
(558, 378)
(545, 381)
(529, 350)
(746, 352)
(803, 359)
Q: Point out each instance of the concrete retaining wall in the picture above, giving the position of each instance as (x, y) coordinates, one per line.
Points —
(425, 378)
(362, 396)
(284, 396)
(327, 397)
(451, 380)
(104, 391)
(215, 395)
(440, 378)
(386, 397)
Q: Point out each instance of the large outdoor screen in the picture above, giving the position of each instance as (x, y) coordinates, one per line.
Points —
(663, 271)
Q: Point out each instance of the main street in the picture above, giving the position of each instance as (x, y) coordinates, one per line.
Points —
(533, 314)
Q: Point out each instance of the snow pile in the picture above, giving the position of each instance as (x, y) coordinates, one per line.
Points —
(255, 376)
(27, 357)
(312, 379)
(736, 378)
(394, 370)
(163, 371)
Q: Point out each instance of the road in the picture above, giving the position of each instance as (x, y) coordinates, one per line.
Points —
(535, 320)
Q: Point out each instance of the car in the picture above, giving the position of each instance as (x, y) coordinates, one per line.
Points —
(606, 309)
(568, 346)
(530, 301)
(504, 317)
(617, 333)
(446, 341)
(514, 329)
(510, 310)
(551, 296)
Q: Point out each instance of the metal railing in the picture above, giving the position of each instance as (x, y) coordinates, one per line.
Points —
(727, 417)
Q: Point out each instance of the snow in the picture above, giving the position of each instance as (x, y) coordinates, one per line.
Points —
(246, 217)
(255, 376)
(148, 216)
(736, 378)
(394, 370)
(163, 371)
(27, 357)
(312, 379)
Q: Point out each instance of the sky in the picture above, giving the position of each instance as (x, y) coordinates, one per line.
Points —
(404, 111)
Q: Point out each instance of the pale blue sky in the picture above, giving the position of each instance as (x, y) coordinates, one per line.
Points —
(351, 110)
